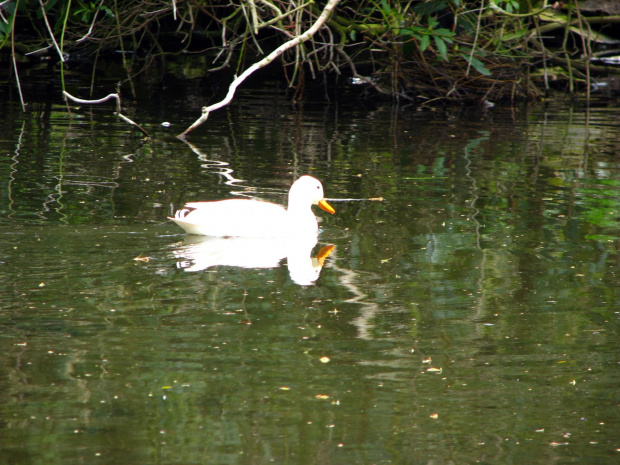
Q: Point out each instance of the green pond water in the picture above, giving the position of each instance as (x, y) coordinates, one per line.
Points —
(472, 316)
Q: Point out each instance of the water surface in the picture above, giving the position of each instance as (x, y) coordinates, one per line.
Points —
(472, 316)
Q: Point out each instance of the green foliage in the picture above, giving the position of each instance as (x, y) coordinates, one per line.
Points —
(5, 27)
(5, 30)
(427, 9)
(440, 37)
(393, 17)
(87, 10)
(431, 42)
(509, 6)
(475, 62)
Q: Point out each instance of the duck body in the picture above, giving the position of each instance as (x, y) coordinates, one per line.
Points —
(234, 218)
(255, 218)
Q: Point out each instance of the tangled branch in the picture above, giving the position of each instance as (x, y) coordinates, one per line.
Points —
(327, 11)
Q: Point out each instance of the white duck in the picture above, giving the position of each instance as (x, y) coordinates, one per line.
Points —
(255, 218)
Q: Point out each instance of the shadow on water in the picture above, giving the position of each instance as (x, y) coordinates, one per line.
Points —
(472, 316)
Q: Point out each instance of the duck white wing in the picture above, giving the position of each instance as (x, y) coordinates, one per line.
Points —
(235, 218)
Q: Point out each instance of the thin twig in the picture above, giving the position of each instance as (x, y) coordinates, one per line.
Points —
(4, 20)
(49, 29)
(39, 51)
(475, 42)
(105, 99)
(587, 50)
(62, 43)
(92, 25)
(19, 87)
(231, 45)
(567, 55)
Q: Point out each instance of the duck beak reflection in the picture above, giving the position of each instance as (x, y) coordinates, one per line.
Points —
(325, 251)
(323, 205)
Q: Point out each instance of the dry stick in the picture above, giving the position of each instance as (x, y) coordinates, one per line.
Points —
(569, 68)
(19, 86)
(543, 50)
(105, 99)
(49, 29)
(92, 24)
(587, 50)
(4, 20)
(475, 44)
(233, 43)
(62, 47)
(261, 64)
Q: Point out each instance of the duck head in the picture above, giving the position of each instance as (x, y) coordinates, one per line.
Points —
(307, 191)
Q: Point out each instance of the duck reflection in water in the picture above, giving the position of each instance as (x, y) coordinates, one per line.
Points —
(198, 253)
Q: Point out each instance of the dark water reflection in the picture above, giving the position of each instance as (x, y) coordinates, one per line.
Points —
(472, 316)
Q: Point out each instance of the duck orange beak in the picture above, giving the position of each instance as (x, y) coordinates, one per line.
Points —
(323, 205)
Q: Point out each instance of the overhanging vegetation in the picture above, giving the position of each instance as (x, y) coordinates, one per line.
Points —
(421, 51)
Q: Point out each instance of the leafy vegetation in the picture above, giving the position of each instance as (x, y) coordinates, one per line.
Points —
(423, 51)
